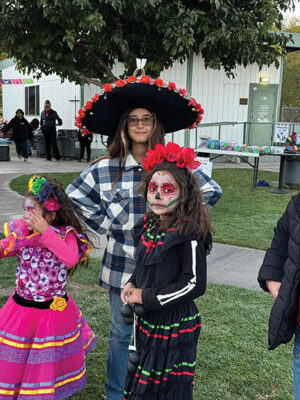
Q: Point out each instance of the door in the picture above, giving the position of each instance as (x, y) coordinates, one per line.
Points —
(261, 113)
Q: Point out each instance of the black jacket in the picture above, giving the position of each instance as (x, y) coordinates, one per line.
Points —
(170, 269)
(48, 122)
(20, 127)
(282, 264)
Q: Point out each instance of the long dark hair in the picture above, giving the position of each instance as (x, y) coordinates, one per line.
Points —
(122, 143)
(191, 213)
(65, 215)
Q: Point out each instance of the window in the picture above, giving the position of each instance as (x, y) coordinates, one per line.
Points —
(32, 100)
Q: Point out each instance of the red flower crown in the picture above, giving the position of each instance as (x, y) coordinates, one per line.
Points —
(172, 152)
(146, 80)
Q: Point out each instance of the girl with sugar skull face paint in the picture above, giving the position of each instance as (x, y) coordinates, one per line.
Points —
(170, 273)
(163, 193)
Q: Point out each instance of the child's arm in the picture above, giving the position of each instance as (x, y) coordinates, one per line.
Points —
(191, 283)
(66, 250)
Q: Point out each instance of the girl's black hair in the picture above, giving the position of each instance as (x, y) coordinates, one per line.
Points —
(191, 214)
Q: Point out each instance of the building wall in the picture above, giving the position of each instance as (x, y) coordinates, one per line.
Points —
(51, 88)
(218, 94)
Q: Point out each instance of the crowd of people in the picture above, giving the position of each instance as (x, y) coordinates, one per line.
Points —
(152, 201)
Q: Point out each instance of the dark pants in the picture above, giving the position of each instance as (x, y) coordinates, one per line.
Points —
(85, 144)
(21, 148)
(51, 145)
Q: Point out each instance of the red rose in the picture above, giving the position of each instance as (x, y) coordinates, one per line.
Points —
(88, 105)
(145, 79)
(192, 126)
(192, 102)
(79, 125)
(172, 86)
(120, 83)
(172, 150)
(201, 111)
(131, 79)
(159, 153)
(107, 87)
(78, 119)
(182, 91)
(159, 82)
(197, 107)
(95, 98)
(81, 113)
(185, 158)
(85, 131)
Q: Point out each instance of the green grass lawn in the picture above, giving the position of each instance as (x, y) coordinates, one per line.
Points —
(233, 360)
(241, 217)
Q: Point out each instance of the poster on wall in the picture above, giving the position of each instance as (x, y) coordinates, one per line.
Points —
(281, 132)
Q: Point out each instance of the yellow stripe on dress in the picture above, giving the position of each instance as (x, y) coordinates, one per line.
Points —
(44, 391)
(41, 346)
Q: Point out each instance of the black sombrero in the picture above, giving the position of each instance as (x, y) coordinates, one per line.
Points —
(174, 107)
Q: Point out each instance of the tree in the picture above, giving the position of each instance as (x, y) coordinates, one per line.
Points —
(2, 57)
(80, 39)
(290, 95)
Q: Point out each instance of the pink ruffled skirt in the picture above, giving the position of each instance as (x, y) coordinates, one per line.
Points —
(42, 352)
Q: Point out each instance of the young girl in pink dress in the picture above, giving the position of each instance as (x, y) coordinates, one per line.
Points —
(44, 337)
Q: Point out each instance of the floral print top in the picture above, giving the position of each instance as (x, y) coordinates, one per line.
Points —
(44, 260)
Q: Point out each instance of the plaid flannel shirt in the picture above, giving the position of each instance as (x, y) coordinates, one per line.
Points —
(114, 210)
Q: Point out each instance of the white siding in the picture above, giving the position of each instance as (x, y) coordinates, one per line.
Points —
(51, 88)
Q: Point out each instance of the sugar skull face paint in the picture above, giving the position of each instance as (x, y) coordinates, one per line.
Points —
(163, 193)
(30, 206)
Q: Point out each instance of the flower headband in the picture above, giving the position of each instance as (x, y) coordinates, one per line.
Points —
(45, 192)
(146, 80)
(172, 152)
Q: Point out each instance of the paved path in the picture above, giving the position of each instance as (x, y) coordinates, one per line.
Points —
(226, 264)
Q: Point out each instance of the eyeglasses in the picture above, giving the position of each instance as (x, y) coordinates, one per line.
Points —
(146, 121)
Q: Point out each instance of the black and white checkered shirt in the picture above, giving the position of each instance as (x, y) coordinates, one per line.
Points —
(114, 210)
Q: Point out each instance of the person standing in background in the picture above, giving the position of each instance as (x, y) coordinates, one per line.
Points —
(48, 126)
(34, 124)
(85, 143)
(21, 130)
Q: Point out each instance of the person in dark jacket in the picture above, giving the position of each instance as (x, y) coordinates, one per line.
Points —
(21, 130)
(48, 126)
(280, 275)
(85, 141)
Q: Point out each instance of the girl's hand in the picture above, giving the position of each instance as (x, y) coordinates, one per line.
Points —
(135, 296)
(125, 294)
(36, 221)
(273, 287)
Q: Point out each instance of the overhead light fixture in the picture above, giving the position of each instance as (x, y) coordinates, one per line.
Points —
(264, 79)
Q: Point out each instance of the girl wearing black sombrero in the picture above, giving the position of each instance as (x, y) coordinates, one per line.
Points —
(135, 113)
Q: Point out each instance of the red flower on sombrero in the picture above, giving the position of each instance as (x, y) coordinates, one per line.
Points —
(88, 105)
(120, 83)
(174, 108)
(107, 87)
(159, 82)
(131, 79)
(145, 79)
(95, 97)
(81, 113)
(172, 86)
